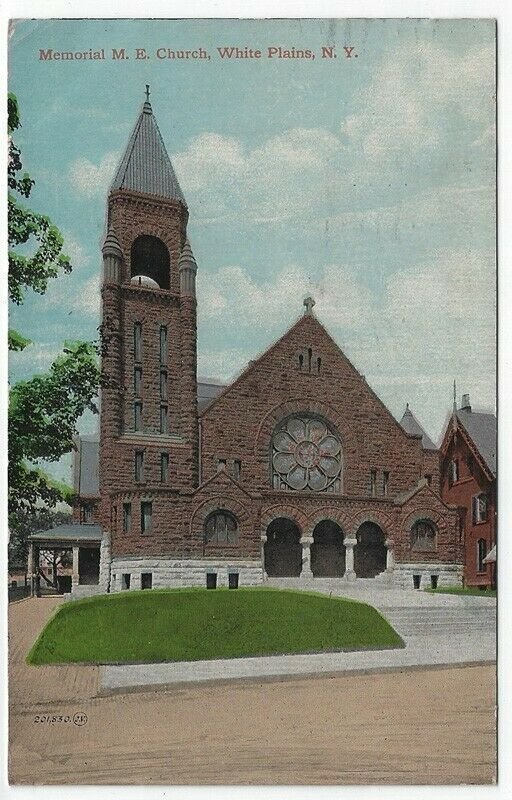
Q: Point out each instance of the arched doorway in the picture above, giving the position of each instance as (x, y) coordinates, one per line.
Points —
(327, 550)
(283, 551)
(369, 553)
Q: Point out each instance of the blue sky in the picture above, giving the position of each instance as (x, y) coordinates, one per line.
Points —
(367, 182)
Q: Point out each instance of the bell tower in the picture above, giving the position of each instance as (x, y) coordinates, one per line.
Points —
(149, 427)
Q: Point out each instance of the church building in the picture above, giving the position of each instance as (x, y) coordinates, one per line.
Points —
(295, 469)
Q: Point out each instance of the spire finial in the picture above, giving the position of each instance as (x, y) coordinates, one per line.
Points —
(147, 92)
(308, 303)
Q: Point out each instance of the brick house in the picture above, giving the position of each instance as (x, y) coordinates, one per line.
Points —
(295, 469)
(468, 481)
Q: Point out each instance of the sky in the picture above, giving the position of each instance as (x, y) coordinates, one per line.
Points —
(366, 181)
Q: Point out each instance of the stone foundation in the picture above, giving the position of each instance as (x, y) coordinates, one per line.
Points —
(174, 573)
(448, 574)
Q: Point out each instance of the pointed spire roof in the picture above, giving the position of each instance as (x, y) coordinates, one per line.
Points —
(411, 426)
(187, 257)
(146, 166)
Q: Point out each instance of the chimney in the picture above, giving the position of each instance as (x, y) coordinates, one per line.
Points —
(465, 404)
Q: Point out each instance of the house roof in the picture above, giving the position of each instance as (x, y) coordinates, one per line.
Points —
(146, 166)
(411, 426)
(482, 430)
(69, 533)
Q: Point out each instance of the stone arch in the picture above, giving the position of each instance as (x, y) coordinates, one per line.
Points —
(283, 510)
(377, 517)
(150, 260)
(370, 552)
(209, 506)
(336, 515)
(328, 550)
(282, 549)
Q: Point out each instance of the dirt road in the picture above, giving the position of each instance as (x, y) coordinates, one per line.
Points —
(431, 726)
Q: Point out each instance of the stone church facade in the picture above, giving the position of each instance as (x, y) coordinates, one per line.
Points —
(295, 469)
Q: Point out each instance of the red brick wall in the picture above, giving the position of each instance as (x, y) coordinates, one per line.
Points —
(461, 494)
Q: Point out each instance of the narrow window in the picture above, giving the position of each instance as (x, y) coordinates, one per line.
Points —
(146, 517)
(385, 482)
(453, 474)
(137, 381)
(139, 465)
(163, 419)
(137, 341)
(146, 580)
(373, 482)
(164, 467)
(125, 580)
(163, 344)
(481, 552)
(163, 384)
(127, 517)
(237, 469)
(480, 510)
(137, 414)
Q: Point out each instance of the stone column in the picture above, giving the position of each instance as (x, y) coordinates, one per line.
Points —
(349, 575)
(263, 539)
(390, 555)
(306, 543)
(31, 569)
(75, 578)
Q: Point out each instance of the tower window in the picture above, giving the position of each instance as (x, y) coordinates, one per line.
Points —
(127, 517)
(139, 465)
(137, 341)
(373, 482)
(137, 414)
(163, 384)
(164, 421)
(163, 344)
(164, 467)
(149, 258)
(146, 517)
(137, 381)
(385, 483)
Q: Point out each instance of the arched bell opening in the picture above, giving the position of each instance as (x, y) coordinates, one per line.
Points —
(370, 551)
(282, 550)
(327, 550)
(150, 263)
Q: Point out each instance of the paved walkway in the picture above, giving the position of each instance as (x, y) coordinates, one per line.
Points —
(438, 630)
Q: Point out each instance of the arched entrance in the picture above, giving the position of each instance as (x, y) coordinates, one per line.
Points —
(327, 550)
(370, 552)
(283, 551)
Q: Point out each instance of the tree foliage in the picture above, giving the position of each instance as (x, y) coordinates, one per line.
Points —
(43, 411)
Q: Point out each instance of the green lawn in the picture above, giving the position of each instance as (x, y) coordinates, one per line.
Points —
(194, 624)
(471, 590)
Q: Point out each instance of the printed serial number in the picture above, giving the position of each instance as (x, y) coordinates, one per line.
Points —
(78, 719)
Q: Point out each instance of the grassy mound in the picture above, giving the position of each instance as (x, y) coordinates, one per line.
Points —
(195, 624)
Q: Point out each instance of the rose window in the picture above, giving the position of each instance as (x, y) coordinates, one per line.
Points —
(306, 454)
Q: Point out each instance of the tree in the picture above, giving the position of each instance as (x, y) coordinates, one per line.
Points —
(43, 411)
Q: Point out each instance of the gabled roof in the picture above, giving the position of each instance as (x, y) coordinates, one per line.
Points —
(411, 426)
(481, 429)
(146, 166)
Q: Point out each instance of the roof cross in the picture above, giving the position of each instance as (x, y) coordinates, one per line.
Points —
(308, 304)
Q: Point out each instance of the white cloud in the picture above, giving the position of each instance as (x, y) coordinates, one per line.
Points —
(412, 92)
(92, 180)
